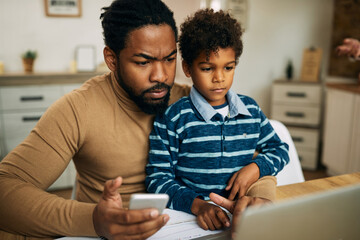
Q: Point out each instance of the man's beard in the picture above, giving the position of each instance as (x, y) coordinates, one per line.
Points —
(147, 105)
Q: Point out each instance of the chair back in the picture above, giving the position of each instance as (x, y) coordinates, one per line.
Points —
(292, 172)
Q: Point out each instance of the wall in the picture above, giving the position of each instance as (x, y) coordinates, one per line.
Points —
(24, 26)
(278, 30)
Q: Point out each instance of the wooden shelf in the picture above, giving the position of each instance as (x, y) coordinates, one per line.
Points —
(15, 79)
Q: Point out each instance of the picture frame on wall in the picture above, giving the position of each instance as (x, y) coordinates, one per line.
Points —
(85, 58)
(63, 8)
(239, 10)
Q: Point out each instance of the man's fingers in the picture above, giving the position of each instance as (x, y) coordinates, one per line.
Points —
(223, 202)
(241, 205)
(111, 188)
(140, 230)
(239, 208)
(122, 216)
(148, 226)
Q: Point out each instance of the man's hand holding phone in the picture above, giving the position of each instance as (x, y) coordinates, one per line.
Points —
(112, 221)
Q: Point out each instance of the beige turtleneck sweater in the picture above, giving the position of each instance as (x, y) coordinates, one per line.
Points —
(106, 135)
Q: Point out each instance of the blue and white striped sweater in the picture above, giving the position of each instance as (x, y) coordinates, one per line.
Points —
(190, 157)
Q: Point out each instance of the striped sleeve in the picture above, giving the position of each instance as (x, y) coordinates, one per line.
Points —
(273, 153)
(160, 170)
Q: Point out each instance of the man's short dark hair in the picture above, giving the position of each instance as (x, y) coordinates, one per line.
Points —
(208, 31)
(124, 16)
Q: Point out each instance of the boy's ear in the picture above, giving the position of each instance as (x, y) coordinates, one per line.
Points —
(110, 58)
(186, 69)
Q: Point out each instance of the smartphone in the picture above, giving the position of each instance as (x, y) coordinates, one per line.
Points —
(148, 200)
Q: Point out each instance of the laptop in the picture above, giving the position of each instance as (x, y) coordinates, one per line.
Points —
(334, 214)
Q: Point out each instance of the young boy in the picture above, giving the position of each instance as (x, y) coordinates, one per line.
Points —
(206, 142)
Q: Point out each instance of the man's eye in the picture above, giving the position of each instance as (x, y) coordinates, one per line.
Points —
(170, 59)
(144, 63)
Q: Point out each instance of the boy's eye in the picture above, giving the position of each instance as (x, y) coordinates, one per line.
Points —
(207, 69)
(229, 68)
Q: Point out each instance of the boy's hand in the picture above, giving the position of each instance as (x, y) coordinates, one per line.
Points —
(240, 182)
(209, 216)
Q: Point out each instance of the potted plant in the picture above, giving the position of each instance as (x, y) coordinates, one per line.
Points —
(28, 60)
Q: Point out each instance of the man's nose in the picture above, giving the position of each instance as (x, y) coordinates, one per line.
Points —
(158, 73)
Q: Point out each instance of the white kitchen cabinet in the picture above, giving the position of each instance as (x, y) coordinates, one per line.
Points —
(306, 141)
(23, 99)
(17, 125)
(21, 108)
(341, 150)
(298, 105)
(28, 97)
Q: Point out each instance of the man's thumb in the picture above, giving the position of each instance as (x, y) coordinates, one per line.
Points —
(111, 188)
(223, 202)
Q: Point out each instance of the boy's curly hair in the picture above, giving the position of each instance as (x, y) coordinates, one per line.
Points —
(208, 31)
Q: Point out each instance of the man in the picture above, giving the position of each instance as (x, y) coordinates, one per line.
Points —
(104, 127)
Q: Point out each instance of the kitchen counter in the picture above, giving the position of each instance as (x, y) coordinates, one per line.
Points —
(350, 87)
(15, 79)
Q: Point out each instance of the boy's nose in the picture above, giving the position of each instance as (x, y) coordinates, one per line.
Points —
(219, 76)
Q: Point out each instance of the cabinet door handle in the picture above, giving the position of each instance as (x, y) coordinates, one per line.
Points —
(31, 119)
(31, 98)
(296, 94)
(297, 139)
(295, 114)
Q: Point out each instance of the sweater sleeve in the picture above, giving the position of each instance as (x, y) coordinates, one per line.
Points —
(265, 187)
(29, 169)
(161, 169)
(273, 153)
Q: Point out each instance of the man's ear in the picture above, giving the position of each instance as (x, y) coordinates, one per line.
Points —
(186, 69)
(110, 58)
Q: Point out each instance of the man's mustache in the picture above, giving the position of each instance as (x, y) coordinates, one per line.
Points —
(158, 86)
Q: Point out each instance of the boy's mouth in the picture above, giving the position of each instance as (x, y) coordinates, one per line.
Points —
(218, 90)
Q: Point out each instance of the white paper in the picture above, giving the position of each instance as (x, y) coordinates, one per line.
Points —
(181, 226)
